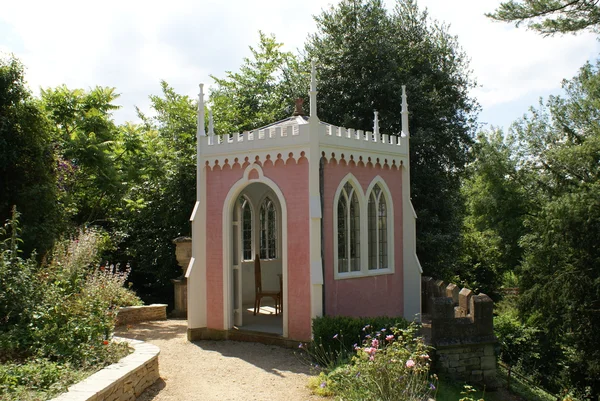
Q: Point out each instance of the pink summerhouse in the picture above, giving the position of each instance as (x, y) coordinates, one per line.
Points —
(325, 209)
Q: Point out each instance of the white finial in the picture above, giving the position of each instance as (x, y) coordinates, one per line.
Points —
(376, 123)
(201, 131)
(211, 125)
(313, 91)
(404, 113)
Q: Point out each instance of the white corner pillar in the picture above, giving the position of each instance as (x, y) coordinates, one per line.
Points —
(411, 266)
(196, 272)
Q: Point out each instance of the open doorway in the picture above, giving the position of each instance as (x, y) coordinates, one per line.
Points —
(257, 232)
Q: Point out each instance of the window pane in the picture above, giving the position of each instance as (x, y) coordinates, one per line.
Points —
(246, 229)
(354, 234)
(372, 217)
(341, 233)
(263, 231)
(382, 222)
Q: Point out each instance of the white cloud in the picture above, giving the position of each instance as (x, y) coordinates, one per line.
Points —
(132, 45)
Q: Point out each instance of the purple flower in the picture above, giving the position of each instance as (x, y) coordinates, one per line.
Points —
(300, 345)
(336, 336)
(323, 385)
(431, 386)
(357, 375)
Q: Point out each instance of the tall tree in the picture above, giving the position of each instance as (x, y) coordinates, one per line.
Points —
(549, 17)
(27, 164)
(158, 206)
(86, 138)
(496, 207)
(365, 54)
(561, 279)
(261, 92)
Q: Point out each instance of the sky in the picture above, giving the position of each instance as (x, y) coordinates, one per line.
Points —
(133, 45)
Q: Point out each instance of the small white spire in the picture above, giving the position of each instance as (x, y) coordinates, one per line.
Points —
(211, 125)
(201, 131)
(404, 113)
(313, 91)
(376, 123)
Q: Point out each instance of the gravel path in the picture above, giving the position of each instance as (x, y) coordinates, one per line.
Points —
(220, 370)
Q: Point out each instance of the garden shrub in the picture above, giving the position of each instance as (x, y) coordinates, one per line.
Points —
(390, 364)
(65, 310)
(335, 337)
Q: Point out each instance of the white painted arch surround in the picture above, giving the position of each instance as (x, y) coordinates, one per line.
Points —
(228, 206)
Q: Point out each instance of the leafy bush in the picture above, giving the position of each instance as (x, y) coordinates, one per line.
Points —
(66, 310)
(518, 342)
(391, 364)
(337, 336)
(16, 285)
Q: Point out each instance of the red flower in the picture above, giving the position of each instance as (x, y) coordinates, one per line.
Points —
(105, 342)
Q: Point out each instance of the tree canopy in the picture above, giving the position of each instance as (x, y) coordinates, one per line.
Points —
(365, 53)
(560, 282)
(549, 17)
(28, 178)
(261, 92)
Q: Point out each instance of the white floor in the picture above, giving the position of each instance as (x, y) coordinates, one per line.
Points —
(265, 321)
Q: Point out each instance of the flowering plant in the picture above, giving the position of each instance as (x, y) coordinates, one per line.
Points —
(388, 365)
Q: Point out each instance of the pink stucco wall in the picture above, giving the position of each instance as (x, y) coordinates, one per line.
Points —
(370, 295)
(291, 176)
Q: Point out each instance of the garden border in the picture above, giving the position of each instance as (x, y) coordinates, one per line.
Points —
(121, 381)
(144, 313)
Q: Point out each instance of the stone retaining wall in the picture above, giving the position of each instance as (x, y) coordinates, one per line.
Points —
(460, 327)
(136, 314)
(474, 363)
(122, 381)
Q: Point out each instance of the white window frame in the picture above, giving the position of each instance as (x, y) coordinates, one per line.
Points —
(364, 234)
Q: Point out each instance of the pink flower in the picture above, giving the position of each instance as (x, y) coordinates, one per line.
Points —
(389, 337)
(375, 343)
(410, 363)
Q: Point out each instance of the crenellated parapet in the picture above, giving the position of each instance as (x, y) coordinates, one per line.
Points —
(460, 326)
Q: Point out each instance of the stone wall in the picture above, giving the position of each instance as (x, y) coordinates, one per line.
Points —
(123, 381)
(460, 327)
(136, 314)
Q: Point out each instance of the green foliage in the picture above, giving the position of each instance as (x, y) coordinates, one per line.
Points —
(560, 283)
(337, 336)
(27, 163)
(17, 291)
(496, 205)
(64, 316)
(549, 17)
(261, 93)
(365, 54)
(86, 142)
(158, 207)
(518, 343)
(391, 365)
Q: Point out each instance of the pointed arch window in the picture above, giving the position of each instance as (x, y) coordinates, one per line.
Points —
(378, 229)
(348, 222)
(268, 229)
(246, 212)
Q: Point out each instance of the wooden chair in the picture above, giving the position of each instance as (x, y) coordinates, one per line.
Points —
(259, 293)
